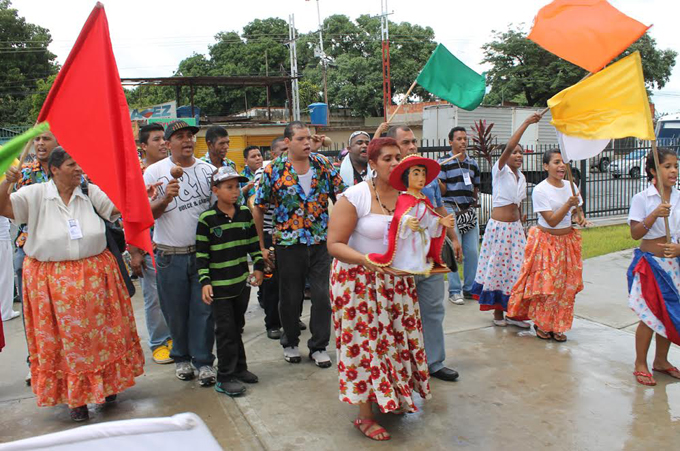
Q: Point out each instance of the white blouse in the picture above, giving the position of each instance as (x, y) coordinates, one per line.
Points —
(370, 234)
(645, 202)
(507, 189)
(59, 232)
(546, 197)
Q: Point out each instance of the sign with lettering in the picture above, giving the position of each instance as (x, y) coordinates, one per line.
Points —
(166, 110)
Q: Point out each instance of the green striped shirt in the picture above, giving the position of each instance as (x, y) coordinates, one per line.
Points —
(222, 248)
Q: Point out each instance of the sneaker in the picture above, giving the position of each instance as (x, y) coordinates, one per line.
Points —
(247, 377)
(184, 371)
(231, 387)
(500, 322)
(14, 314)
(169, 345)
(80, 414)
(161, 355)
(468, 295)
(274, 334)
(207, 376)
(514, 322)
(457, 299)
(303, 326)
(321, 358)
(292, 354)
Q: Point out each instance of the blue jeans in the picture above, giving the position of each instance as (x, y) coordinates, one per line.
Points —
(19, 255)
(190, 320)
(158, 330)
(469, 241)
(431, 301)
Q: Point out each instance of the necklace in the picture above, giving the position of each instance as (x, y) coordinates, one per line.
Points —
(377, 197)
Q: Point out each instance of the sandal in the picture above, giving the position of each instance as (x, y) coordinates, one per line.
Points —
(559, 337)
(668, 371)
(79, 414)
(639, 374)
(372, 435)
(542, 334)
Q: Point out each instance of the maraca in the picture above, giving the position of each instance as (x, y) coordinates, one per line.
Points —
(177, 172)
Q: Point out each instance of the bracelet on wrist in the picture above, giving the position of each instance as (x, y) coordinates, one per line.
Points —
(645, 225)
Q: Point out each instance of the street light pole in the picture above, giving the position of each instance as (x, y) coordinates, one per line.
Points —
(323, 63)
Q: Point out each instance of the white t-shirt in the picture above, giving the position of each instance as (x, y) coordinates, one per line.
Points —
(4, 229)
(507, 189)
(306, 181)
(546, 197)
(645, 202)
(177, 226)
(370, 233)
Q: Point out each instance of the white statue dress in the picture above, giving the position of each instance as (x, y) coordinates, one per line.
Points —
(413, 246)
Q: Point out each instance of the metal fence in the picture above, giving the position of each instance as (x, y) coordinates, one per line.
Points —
(9, 132)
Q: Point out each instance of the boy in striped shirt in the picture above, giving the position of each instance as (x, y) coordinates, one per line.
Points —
(225, 236)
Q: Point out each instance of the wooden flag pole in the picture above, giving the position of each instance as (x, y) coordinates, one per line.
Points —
(659, 186)
(408, 93)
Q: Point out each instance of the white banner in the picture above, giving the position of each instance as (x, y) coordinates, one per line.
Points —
(578, 148)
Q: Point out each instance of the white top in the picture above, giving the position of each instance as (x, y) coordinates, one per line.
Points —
(177, 226)
(41, 207)
(371, 232)
(507, 188)
(306, 181)
(4, 229)
(546, 197)
(645, 202)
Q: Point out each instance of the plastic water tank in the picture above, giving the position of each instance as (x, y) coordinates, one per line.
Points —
(318, 113)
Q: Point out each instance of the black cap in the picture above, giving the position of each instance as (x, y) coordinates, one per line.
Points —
(176, 126)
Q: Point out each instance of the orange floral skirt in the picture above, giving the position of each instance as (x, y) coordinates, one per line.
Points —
(81, 332)
(550, 278)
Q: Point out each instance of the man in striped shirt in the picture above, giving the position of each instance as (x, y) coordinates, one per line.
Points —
(225, 236)
(461, 178)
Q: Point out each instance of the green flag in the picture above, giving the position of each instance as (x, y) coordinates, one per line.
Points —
(13, 148)
(447, 77)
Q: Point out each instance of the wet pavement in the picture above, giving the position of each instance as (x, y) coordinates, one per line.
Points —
(515, 391)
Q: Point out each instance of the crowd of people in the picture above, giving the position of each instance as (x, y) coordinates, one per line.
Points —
(218, 232)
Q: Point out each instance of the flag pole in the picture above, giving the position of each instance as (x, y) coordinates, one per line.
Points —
(408, 93)
(659, 186)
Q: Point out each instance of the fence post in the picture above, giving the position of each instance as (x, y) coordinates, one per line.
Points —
(584, 185)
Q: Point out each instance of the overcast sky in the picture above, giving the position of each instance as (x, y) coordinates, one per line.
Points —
(150, 38)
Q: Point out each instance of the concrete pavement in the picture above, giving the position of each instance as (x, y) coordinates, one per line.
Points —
(515, 391)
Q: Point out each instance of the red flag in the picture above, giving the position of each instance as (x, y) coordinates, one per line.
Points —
(588, 33)
(88, 113)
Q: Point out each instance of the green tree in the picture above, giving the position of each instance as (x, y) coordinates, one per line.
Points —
(525, 73)
(24, 62)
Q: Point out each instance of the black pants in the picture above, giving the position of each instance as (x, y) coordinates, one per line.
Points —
(295, 264)
(229, 315)
(270, 294)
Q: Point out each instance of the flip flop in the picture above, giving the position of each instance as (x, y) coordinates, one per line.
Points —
(562, 338)
(668, 371)
(540, 333)
(368, 422)
(639, 374)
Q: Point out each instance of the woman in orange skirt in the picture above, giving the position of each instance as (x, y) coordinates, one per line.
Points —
(80, 326)
(551, 274)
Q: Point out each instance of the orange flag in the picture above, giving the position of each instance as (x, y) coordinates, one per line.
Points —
(588, 33)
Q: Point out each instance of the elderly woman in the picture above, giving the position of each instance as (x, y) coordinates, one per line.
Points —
(80, 327)
(379, 340)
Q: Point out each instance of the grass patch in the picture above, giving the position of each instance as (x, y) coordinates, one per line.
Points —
(604, 240)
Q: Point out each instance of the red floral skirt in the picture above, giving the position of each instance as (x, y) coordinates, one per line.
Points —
(379, 338)
(550, 278)
(81, 332)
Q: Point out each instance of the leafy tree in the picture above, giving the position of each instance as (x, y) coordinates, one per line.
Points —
(525, 73)
(24, 62)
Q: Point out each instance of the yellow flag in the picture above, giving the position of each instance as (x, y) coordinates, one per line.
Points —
(610, 104)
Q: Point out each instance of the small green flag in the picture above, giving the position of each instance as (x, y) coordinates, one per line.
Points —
(13, 148)
(447, 77)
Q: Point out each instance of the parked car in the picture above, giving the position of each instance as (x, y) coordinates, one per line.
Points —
(632, 164)
(601, 162)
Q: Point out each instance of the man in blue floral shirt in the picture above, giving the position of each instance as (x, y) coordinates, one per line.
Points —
(298, 185)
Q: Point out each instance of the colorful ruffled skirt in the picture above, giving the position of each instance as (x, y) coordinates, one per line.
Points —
(379, 338)
(653, 293)
(500, 262)
(80, 328)
(550, 278)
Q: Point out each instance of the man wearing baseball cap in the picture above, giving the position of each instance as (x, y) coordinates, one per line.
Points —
(184, 193)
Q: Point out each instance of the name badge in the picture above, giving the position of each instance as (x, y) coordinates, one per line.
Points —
(386, 235)
(74, 229)
(466, 178)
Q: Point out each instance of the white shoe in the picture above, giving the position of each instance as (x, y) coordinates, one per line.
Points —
(14, 314)
(522, 324)
(321, 359)
(207, 376)
(292, 354)
(500, 322)
(457, 299)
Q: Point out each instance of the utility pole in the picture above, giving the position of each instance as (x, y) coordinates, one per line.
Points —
(322, 54)
(295, 96)
(385, 35)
